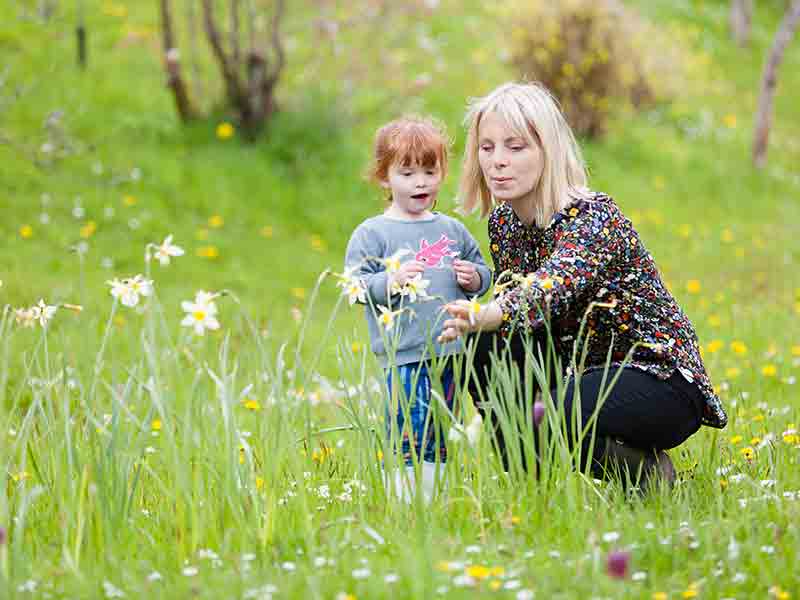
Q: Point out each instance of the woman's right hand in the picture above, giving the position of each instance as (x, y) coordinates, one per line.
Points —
(468, 317)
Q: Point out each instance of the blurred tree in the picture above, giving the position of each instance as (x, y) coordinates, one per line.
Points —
(769, 81)
(741, 20)
(249, 68)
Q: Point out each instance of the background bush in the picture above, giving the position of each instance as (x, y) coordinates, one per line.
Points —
(597, 56)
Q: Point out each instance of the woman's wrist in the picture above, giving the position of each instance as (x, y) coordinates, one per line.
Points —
(491, 317)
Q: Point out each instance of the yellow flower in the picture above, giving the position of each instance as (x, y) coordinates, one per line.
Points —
(211, 252)
(477, 571)
(690, 593)
(693, 286)
(266, 231)
(546, 283)
(259, 483)
(298, 292)
(796, 350)
(497, 571)
(495, 585)
(88, 230)
(727, 236)
(573, 212)
(732, 372)
(318, 244)
(129, 200)
(739, 347)
(216, 221)
(791, 438)
(754, 441)
(225, 131)
(21, 476)
(729, 120)
(714, 346)
(355, 347)
(26, 232)
(758, 417)
(747, 452)
(769, 370)
(723, 483)
(658, 182)
(736, 439)
(252, 404)
(156, 425)
(660, 596)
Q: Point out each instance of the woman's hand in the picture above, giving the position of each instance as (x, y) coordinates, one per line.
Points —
(408, 270)
(469, 316)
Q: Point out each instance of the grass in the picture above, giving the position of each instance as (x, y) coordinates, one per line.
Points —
(147, 451)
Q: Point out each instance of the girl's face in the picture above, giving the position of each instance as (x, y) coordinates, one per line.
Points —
(414, 189)
(511, 165)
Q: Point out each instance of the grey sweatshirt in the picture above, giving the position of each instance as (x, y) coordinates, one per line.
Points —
(436, 241)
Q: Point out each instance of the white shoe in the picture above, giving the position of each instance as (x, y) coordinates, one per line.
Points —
(431, 473)
(401, 483)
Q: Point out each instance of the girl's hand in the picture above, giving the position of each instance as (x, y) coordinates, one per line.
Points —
(468, 317)
(467, 275)
(406, 271)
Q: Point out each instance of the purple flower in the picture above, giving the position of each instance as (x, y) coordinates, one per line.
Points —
(617, 563)
(2, 536)
(538, 412)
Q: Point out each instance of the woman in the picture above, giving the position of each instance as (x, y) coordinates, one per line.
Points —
(565, 255)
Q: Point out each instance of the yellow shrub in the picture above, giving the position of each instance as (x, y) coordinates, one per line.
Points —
(596, 56)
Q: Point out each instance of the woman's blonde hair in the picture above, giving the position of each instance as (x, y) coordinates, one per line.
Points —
(532, 112)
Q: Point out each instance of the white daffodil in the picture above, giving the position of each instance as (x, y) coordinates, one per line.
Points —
(354, 289)
(474, 310)
(43, 312)
(25, 317)
(471, 433)
(167, 250)
(200, 316)
(387, 317)
(203, 297)
(127, 291)
(416, 287)
(392, 263)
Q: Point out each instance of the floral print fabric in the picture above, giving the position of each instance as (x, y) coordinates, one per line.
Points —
(590, 265)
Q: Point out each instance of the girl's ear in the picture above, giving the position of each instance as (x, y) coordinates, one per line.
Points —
(384, 184)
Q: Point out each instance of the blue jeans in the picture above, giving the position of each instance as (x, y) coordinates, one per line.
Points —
(412, 404)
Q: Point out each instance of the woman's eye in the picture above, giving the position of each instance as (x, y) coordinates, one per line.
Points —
(517, 148)
(486, 148)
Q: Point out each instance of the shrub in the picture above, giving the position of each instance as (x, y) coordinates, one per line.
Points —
(596, 56)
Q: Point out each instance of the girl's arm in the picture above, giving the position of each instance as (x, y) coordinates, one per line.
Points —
(362, 261)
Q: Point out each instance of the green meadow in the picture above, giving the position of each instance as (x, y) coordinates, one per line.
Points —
(141, 459)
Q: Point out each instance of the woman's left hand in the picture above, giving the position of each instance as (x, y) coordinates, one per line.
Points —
(468, 317)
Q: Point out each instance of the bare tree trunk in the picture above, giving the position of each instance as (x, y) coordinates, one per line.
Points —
(236, 50)
(173, 65)
(770, 80)
(741, 20)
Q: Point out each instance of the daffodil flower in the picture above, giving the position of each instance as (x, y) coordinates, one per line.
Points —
(43, 312)
(474, 308)
(414, 287)
(392, 263)
(128, 291)
(167, 250)
(387, 317)
(200, 315)
(354, 289)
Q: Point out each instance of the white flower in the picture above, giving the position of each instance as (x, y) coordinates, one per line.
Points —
(112, 591)
(387, 317)
(392, 263)
(354, 289)
(167, 250)
(416, 286)
(25, 317)
(200, 315)
(471, 433)
(154, 576)
(190, 571)
(611, 536)
(43, 312)
(128, 291)
(361, 573)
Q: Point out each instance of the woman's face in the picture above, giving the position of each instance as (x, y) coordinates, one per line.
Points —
(511, 165)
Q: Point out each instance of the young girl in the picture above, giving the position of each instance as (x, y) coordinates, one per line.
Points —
(410, 262)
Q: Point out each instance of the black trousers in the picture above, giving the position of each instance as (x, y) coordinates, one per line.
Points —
(640, 410)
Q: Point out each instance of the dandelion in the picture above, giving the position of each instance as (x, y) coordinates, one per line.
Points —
(693, 286)
(166, 250)
(129, 200)
(156, 425)
(387, 317)
(298, 292)
(739, 347)
(714, 346)
(747, 452)
(769, 370)
(252, 404)
(477, 572)
(732, 372)
(729, 120)
(266, 231)
(356, 347)
(216, 221)
(225, 131)
(210, 252)
(88, 229)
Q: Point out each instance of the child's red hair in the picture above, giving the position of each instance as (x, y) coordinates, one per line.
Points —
(409, 140)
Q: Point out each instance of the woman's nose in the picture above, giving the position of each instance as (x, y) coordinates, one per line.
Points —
(500, 158)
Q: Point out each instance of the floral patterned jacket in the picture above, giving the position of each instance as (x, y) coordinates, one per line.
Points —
(590, 265)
